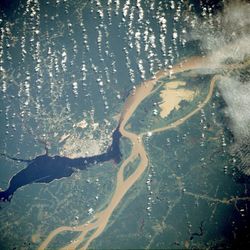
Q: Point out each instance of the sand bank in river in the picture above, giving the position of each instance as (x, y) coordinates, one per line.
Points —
(172, 95)
(100, 219)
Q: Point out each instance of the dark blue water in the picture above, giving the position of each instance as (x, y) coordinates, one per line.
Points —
(45, 168)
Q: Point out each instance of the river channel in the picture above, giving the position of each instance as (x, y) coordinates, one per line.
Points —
(94, 227)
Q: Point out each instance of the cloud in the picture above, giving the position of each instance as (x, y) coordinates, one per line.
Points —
(236, 95)
(225, 27)
(226, 37)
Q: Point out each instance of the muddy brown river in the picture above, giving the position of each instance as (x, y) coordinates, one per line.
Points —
(94, 227)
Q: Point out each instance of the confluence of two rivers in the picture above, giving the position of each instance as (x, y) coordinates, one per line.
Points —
(100, 219)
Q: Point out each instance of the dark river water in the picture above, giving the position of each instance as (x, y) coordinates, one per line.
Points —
(45, 168)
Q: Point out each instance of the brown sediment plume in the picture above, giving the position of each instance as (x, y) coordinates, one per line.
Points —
(100, 219)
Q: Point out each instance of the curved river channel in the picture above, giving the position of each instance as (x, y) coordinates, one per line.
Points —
(95, 226)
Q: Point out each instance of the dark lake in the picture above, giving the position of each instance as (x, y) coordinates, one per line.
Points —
(45, 168)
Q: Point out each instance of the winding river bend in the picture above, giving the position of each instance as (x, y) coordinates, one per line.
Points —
(45, 168)
(94, 227)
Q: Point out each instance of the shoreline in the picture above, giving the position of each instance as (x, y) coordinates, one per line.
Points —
(100, 219)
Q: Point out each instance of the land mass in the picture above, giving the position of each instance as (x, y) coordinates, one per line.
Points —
(45, 168)
(100, 219)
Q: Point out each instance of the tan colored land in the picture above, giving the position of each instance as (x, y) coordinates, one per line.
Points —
(64, 137)
(82, 124)
(172, 95)
(76, 146)
(100, 219)
(35, 237)
(185, 118)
